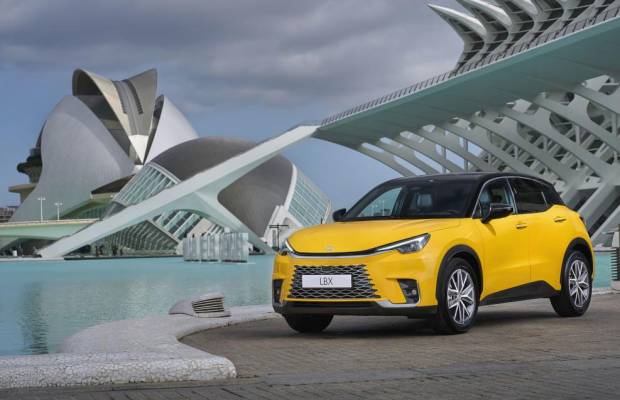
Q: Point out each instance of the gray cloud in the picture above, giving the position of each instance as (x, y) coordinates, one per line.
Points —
(246, 68)
(237, 52)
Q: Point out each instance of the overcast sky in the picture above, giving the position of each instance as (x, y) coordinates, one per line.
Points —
(236, 68)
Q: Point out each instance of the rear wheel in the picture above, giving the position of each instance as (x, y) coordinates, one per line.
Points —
(458, 298)
(574, 298)
(308, 323)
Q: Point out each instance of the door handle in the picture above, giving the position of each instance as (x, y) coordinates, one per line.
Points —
(559, 219)
(521, 225)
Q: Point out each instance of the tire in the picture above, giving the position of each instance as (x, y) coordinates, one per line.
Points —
(308, 323)
(576, 278)
(456, 311)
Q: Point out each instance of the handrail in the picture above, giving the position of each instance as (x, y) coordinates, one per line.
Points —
(492, 58)
(48, 221)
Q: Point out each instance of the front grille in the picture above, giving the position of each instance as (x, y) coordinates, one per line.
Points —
(362, 286)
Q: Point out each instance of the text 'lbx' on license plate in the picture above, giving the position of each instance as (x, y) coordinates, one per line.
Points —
(326, 281)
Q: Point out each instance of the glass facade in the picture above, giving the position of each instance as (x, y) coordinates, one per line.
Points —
(161, 234)
(309, 205)
(147, 183)
(145, 237)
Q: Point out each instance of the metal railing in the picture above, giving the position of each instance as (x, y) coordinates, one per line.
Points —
(48, 222)
(539, 41)
(615, 266)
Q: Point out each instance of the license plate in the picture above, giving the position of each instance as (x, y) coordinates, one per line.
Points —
(325, 281)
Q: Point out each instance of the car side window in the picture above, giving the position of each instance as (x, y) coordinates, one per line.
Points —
(528, 196)
(383, 205)
(496, 191)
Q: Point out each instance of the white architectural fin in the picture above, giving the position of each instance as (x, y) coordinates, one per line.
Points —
(139, 143)
(526, 5)
(454, 18)
(493, 11)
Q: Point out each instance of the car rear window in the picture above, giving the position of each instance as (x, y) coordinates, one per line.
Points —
(551, 195)
(528, 195)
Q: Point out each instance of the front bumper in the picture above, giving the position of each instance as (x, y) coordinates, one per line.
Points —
(382, 284)
(370, 308)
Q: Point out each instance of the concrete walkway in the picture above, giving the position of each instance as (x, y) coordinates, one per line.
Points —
(143, 350)
(516, 351)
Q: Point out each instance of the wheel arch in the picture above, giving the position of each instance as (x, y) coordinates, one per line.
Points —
(582, 246)
(467, 253)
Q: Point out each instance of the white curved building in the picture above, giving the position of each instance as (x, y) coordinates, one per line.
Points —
(102, 134)
(114, 144)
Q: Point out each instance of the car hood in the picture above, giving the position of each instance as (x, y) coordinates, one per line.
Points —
(353, 236)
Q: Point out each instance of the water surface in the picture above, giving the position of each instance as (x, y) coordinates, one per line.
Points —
(43, 302)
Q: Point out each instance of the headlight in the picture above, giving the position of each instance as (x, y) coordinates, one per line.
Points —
(286, 248)
(407, 246)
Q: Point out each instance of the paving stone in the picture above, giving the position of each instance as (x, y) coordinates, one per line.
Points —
(516, 351)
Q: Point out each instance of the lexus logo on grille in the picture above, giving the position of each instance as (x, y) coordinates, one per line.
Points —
(329, 248)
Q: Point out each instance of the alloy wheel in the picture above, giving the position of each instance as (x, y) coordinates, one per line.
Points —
(461, 296)
(578, 283)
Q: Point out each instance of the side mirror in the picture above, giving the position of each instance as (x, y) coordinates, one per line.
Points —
(496, 210)
(338, 215)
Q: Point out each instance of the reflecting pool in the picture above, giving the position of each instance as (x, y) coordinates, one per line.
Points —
(43, 302)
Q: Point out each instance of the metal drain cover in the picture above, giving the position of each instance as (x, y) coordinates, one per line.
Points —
(210, 305)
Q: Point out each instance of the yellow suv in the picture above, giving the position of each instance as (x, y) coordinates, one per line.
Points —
(437, 247)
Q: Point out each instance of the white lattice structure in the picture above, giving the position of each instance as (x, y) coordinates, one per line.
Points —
(534, 91)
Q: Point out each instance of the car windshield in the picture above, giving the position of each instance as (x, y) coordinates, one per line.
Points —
(415, 200)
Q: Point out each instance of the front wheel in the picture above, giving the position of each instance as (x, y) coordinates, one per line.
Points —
(574, 298)
(308, 323)
(458, 298)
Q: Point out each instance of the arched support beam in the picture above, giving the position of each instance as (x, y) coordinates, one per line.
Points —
(371, 130)
(479, 139)
(429, 150)
(594, 207)
(579, 119)
(384, 158)
(512, 136)
(610, 224)
(600, 99)
(408, 156)
(397, 123)
(452, 144)
(540, 122)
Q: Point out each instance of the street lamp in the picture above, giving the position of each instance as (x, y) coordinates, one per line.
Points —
(58, 205)
(41, 200)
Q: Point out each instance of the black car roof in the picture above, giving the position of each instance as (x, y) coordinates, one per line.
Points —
(479, 177)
